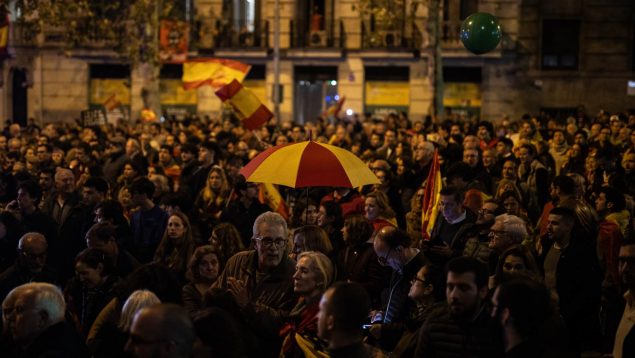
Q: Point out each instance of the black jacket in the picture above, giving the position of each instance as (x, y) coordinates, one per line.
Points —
(443, 336)
(578, 282)
(59, 340)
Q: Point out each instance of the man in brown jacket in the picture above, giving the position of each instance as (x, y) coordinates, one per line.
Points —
(261, 280)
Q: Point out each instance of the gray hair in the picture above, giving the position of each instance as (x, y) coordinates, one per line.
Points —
(46, 298)
(270, 218)
(579, 182)
(136, 301)
(514, 226)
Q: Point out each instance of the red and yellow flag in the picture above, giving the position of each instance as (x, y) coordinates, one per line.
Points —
(215, 72)
(431, 195)
(269, 194)
(246, 105)
(335, 109)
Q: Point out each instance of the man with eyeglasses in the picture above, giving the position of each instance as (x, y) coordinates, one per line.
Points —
(507, 231)
(425, 288)
(261, 280)
(30, 265)
(33, 314)
(477, 244)
(393, 249)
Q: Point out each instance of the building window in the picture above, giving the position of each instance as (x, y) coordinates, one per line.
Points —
(314, 92)
(560, 44)
(633, 48)
(468, 7)
(386, 90)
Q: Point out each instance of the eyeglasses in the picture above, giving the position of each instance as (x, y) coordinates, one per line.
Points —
(417, 279)
(270, 242)
(383, 260)
(497, 233)
(485, 212)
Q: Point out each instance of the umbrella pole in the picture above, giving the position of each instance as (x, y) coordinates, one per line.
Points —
(306, 216)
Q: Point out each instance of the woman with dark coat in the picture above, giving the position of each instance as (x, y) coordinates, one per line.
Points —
(92, 288)
(357, 262)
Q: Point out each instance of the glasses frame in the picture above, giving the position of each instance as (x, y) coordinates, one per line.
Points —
(383, 260)
(273, 243)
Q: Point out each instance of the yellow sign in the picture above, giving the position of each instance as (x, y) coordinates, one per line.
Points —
(259, 88)
(380, 93)
(457, 94)
(172, 93)
(101, 89)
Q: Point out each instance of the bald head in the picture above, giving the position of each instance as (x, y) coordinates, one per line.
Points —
(32, 240)
(33, 251)
(163, 330)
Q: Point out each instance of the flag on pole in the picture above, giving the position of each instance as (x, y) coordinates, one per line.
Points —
(431, 195)
(246, 104)
(215, 72)
(335, 109)
(269, 194)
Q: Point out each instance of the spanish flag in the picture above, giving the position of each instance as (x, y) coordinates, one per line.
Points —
(4, 35)
(215, 72)
(269, 194)
(431, 196)
(335, 109)
(246, 105)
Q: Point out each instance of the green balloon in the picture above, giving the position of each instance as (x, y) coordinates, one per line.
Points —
(480, 33)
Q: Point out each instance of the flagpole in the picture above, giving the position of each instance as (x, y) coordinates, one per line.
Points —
(276, 63)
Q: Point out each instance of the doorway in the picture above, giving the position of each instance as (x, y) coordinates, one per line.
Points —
(314, 91)
(19, 97)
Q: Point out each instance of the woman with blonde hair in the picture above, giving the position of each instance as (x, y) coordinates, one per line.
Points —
(313, 275)
(212, 199)
(177, 245)
(112, 337)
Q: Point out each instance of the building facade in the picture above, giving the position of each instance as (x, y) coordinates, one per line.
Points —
(555, 56)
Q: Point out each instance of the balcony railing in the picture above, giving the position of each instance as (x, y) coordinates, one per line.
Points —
(402, 34)
(86, 35)
(253, 35)
(450, 30)
(327, 38)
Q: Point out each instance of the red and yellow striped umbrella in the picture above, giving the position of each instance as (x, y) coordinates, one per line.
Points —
(308, 164)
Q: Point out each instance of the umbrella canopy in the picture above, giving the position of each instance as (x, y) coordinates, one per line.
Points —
(307, 164)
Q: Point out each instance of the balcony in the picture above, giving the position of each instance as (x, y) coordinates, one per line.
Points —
(317, 39)
(398, 35)
(252, 35)
(85, 35)
(450, 31)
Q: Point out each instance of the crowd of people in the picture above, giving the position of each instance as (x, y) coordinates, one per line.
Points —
(142, 239)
